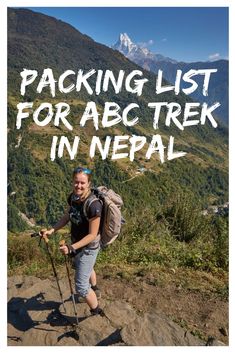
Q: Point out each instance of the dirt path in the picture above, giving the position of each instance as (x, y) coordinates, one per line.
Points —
(134, 176)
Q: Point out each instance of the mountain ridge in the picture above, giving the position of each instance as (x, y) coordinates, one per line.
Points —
(154, 62)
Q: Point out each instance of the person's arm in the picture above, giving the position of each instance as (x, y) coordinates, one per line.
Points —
(60, 224)
(94, 225)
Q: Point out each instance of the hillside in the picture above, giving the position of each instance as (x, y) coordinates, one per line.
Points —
(218, 86)
(37, 41)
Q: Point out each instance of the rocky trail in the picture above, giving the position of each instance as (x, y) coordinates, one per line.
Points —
(135, 315)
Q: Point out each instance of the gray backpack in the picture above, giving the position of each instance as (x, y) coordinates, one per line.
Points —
(111, 219)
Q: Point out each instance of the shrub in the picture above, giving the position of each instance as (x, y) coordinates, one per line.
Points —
(221, 242)
(183, 217)
(14, 221)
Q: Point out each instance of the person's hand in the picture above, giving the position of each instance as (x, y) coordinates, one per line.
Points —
(64, 249)
(46, 232)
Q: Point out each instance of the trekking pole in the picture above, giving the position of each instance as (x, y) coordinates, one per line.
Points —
(62, 243)
(52, 264)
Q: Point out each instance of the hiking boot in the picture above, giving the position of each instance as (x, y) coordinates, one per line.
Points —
(97, 291)
(97, 311)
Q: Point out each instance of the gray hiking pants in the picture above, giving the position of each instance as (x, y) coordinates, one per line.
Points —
(84, 263)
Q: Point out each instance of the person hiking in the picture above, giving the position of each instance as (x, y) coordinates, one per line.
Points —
(85, 237)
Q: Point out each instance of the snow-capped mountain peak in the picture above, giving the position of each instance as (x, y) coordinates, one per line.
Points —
(124, 44)
(125, 39)
(135, 52)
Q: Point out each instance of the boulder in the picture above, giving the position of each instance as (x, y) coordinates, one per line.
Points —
(119, 313)
(154, 329)
(97, 331)
(36, 317)
(41, 335)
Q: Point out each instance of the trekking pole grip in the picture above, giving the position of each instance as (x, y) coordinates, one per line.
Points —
(62, 242)
(45, 239)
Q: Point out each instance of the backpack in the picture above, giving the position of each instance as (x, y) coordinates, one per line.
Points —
(111, 219)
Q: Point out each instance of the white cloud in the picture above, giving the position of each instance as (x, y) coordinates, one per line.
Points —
(146, 44)
(164, 40)
(215, 56)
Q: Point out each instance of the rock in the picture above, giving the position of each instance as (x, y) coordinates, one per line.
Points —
(223, 330)
(212, 341)
(39, 316)
(14, 281)
(14, 336)
(82, 311)
(29, 281)
(119, 313)
(36, 317)
(218, 343)
(29, 221)
(97, 330)
(25, 314)
(13, 286)
(32, 305)
(41, 335)
(18, 315)
(157, 330)
(67, 341)
(12, 293)
(42, 286)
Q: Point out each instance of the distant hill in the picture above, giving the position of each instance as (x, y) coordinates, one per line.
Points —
(38, 187)
(218, 90)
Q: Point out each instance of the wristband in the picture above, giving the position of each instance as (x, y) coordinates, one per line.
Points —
(72, 251)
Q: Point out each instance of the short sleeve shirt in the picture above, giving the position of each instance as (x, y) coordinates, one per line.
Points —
(79, 223)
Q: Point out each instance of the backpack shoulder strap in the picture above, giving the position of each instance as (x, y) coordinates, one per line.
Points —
(88, 203)
(69, 199)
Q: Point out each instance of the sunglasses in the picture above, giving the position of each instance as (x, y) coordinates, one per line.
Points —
(81, 169)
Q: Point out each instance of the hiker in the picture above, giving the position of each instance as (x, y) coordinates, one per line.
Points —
(85, 237)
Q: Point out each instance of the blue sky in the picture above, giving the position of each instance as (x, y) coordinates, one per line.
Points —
(182, 33)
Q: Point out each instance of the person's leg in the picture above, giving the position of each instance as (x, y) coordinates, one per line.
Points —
(93, 282)
(91, 299)
(93, 278)
(84, 263)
